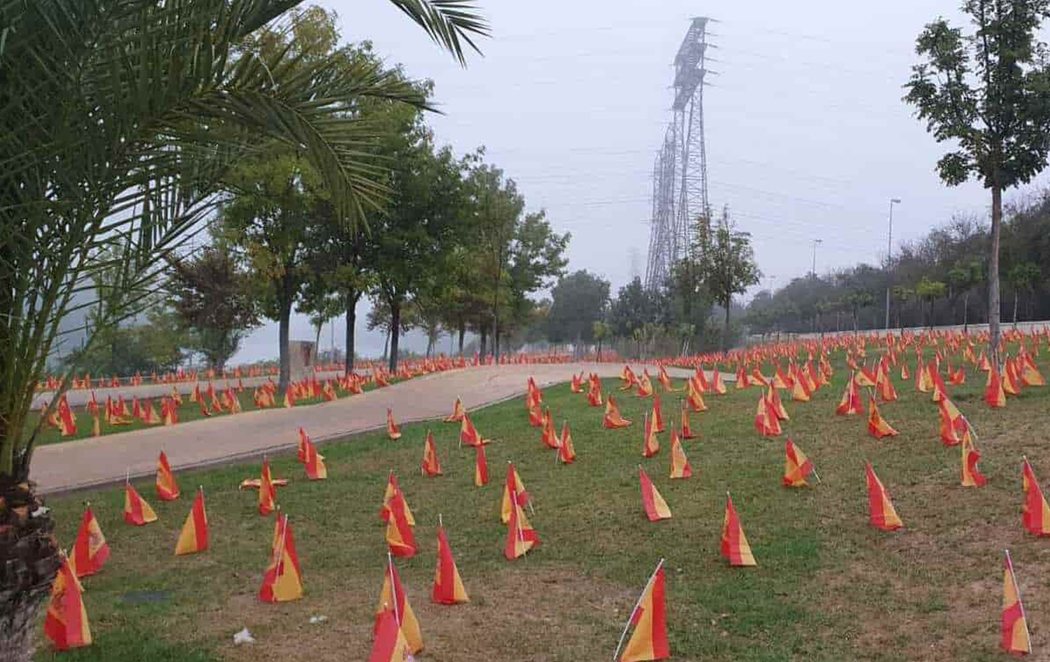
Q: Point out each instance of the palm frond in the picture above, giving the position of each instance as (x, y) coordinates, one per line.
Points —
(451, 23)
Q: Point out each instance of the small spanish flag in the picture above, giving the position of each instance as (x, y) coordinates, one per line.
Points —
(457, 412)
(850, 404)
(282, 580)
(393, 488)
(652, 501)
(315, 466)
(469, 435)
(971, 473)
(994, 394)
(90, 550)
(797, 466)
(735, 547)
(167, 488)
(512, 485)
(877, 425)
(136, 511)
(399, 536)
(393, 430)
(448, 586)
(680, 467)
(389, 644)
(650, 444)
(481, 467)
(1035, 515)
(658, 414)
(613, 419)
(880, 508)
(392, 597)
(1013, 625)
(66, 624)
(301, 450)
(649, 620)
(566, 451)
(430, 466)
(194, 535)
(521, 537)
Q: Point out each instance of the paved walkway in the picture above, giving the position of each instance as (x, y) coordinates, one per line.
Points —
(103, 460)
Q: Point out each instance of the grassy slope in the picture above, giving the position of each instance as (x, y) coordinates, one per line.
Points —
(828, 587)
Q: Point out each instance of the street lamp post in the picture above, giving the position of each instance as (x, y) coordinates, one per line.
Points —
(889, 255)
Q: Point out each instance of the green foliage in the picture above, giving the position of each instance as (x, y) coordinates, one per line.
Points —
(578, 303)
(212, 296)
(155, 345)
(633, 308)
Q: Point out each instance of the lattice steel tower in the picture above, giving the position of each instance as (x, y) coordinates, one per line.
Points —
(680, 172)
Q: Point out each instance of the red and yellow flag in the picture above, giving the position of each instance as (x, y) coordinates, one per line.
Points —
(687, 429)
(399, 536)
(657, 415)
(881, 512)
(389, 644)
(594, 392)
(90, 550)
(468, 434)
(512, 485)
(282, 580)
(877, 425)
(1013, 626)
(613, 419)
(766, 421)
(550, 435)
(521, 537)
(652, 502)
(448, 586)
(649, 620)
(971, 473)
(167, 488)
(392, 597)
(66, 623)
(645, 385)
(566, 451)
(393, 488)
(194, 535)
(267, 491)
(430, 466)
(680, 467)
(315, 466)
(650, 442)
(457, 412)
(301, 449)
(1035, 515)
(393, 430)
(735, 547)
(850, 404)
(481, 467)
(136, 511)
(994, 395)
(797, 466)
(952, 423)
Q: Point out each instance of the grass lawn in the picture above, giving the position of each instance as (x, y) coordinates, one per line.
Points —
(827, 585)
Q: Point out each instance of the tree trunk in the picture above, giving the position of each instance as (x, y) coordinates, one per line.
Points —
(28, 563)
(351, 329)
(462, 332)
(993, 276)
(966, 313)
(395, 331)
(1016, 297)
(725, 333)
(483, 334)
(284, 318)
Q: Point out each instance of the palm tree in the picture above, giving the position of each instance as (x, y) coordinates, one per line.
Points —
(118, 122)
(929, 291)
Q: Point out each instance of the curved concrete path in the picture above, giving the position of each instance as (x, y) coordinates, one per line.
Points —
(104, 460)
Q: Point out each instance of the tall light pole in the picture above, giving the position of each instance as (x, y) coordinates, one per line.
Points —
(889, 256)
(816, 242)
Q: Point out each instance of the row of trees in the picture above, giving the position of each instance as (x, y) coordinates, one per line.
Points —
(450, 248)
(676, 318)
(941, 279)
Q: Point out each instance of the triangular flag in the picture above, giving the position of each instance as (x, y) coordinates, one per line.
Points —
(680, 467)
(1013, 624)
(136, 511)
(282, 580)
(735, 547)
(389, 644)
(971, 473)
(393, 430)
(457, 412)
(315, 466)
(649, 619)
(66, 623)
(167, 488)
(512, 485)
(90, 550)
(566, 451)
(1035, 515)
(652, 502)
(399, 536)
(877, 425)
(430, 466)
(481, 467)
(448, 587)
(797, 466)
(650, 444)
(392, 597)
(393, 488)
(521, 537)
(613, 419)
(194, 535)
(880, 508)
(267, 491)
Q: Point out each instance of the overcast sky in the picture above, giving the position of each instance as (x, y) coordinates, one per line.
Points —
(807, 137)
